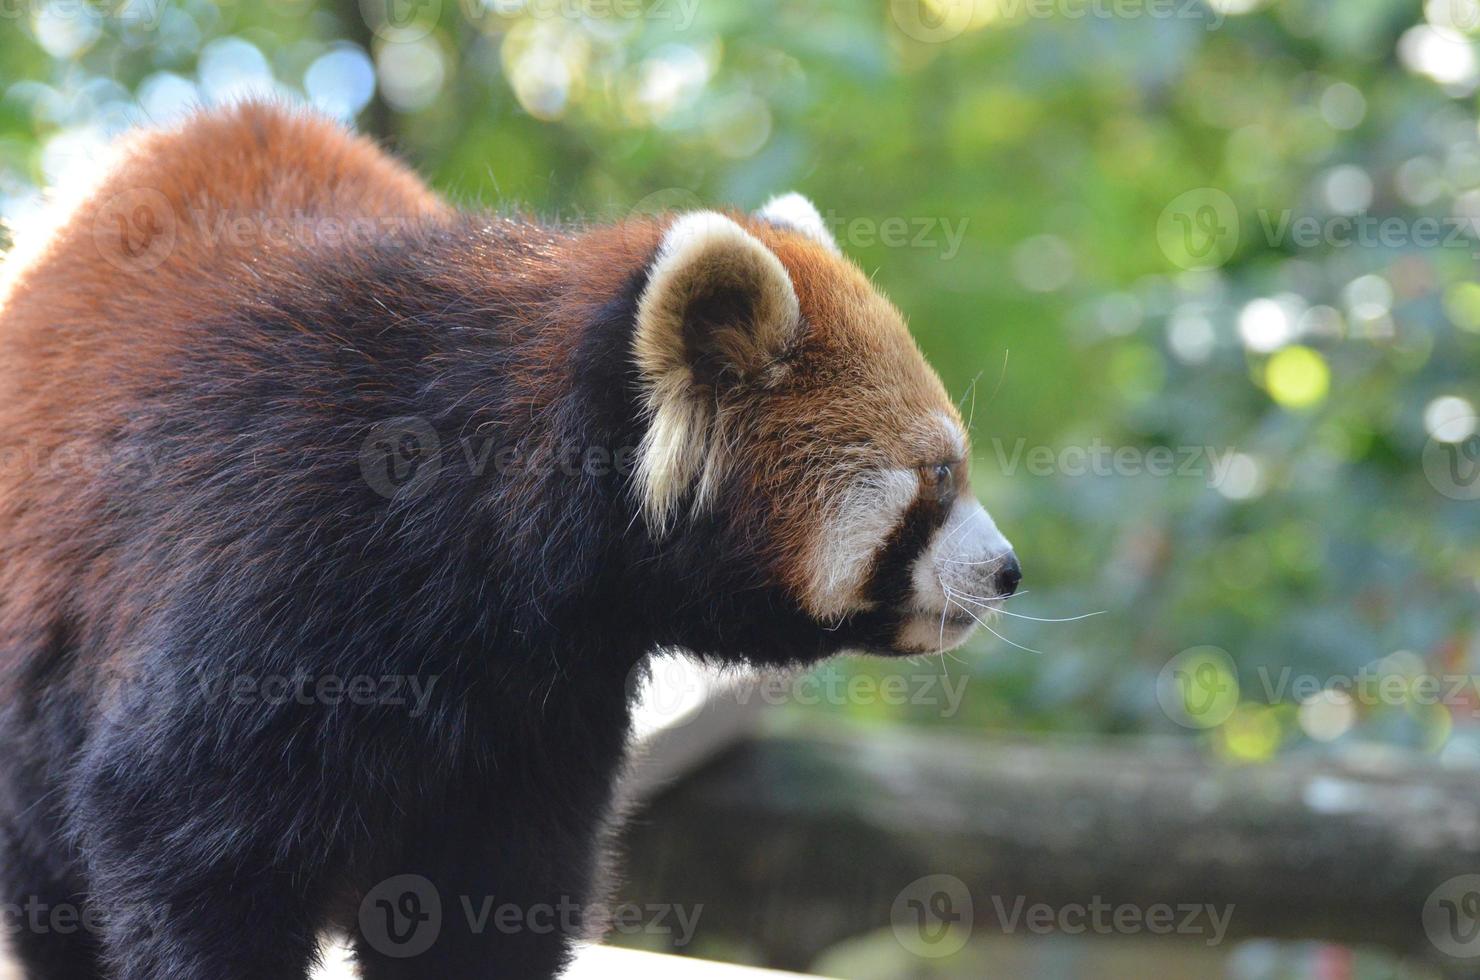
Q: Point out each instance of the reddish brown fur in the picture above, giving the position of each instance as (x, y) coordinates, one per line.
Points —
(549, 586)
(83, 331)
(86, 328)
(66, 381)
(860, 390)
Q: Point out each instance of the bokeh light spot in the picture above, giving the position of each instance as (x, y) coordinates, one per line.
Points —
(340, 82)
(63, 28)
(411, 73)
(1297, 377)
(1242, 479)
(1462, 303)
(1328, 715)
(1449, 419)
(231, 69)
(1252, 733)
(1265, 325)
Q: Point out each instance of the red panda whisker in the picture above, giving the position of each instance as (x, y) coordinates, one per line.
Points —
(1006, 352)
(1000, 598)
(1036, 619)
(971, 393)
(1052, 619)
(983, 598)
(989, 629)
(960, 526)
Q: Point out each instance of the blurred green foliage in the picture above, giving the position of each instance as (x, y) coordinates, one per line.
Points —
(1098, 216)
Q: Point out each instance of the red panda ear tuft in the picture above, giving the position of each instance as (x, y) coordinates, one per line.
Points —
(718, 309)
(795, 212)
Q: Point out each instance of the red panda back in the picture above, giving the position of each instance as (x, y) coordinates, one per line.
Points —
(179, 227)
(147, 244)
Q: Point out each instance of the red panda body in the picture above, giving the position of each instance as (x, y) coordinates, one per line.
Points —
(334, 525)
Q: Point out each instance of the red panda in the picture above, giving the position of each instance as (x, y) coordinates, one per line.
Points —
(252, 459)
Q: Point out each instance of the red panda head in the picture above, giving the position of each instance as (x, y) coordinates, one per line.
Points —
(786, 399)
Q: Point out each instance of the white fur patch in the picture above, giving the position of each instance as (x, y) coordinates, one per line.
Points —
(960, 554)
(799, 214)
(699, 249)
(854, 530)
(932, 634)
(672, 451)
(949, 580)
(953, 433)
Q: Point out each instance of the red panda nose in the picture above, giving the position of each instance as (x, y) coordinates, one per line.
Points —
(1008, 574)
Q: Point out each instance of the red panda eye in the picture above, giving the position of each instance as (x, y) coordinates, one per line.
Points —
(938, 479)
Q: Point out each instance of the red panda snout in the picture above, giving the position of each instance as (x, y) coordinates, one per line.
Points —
(964, 573)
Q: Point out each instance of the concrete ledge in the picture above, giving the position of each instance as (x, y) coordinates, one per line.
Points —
(593, 963)
(609, 963)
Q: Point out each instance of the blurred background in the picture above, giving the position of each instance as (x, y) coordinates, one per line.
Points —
(1202, 273)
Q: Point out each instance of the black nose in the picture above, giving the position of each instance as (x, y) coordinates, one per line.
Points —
(1009, 574)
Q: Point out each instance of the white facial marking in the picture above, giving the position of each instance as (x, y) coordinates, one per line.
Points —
(852, 534)
(961, 554)
(953, 434)
(949, 577)
(929, 634)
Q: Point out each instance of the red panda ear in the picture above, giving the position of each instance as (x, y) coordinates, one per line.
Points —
(795, 212)
(718, 309)
(718, 303)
